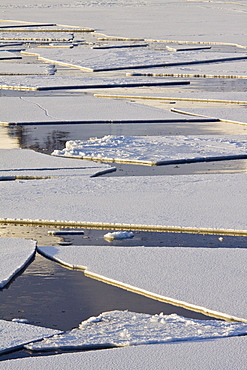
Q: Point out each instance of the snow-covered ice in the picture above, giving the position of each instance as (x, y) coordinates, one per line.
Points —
(216, 201)
(119, 235)
(153, 149)
(15, 335)
(114, 59)
(15, 254)
(15, 69)
(123, 328)
(40, 36)
(210, 279)
(8, 55)
(59, 109)
(223, 353)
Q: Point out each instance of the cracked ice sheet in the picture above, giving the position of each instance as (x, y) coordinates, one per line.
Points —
(15, 335)
(204, 277)
(36, 82)
(24, 69)
(154, 148)
(112, 59)
(75, 108)
(195, 201)
(224, 353)
(24, 162)
(123, 328)
(235, 69)
(15, 254)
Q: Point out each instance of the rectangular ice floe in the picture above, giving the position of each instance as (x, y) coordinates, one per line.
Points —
(15, 335)
(209, 280)
(23, 162)
(76, 109)
(123, 328)
(223, 353)
(116, 59)
(155, 149)
(15, 254)
(65, 82)
(8, 55)
(215, 202)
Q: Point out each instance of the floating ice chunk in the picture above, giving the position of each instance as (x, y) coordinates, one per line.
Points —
(15, 334)
(23, 321)
(119, 235)
(15, 254)
(123, 328)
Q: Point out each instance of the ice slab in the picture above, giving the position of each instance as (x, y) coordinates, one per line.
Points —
(15, 254)
(232, 114)
(15, 335)
(40, 36)
(8, 55)
(24, 162)
(154, 149)
(65, 82)
(189, 201)
(25, 69)
(210, 280)
(220, 353)
(123, 328)
(235, 69)
(103, 60)
(75, 109)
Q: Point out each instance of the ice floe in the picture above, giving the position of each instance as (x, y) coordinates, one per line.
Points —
(220, 353)
(24, 69)
(25, 162)
(123, 328)
(15, 335)
(206, 279)
(154, 149)
(119, 235)
(216, 201)
(76, 109)
(15, 254)
(114, 59)
(8, 55)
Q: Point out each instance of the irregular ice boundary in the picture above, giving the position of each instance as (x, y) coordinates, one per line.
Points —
(124, 328)
(15, 254)
(15, 335)
(162, 274)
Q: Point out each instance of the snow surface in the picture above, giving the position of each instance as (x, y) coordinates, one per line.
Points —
(15, 335)
(196, 201)
(229, 114)
(223, 353)
(25, 69)
(123, 328)
(61, 109)
(41, 36)
(154, 148)
(8, 55)
(205, 277)
(15, 254)
(65, 82)
(113, 59)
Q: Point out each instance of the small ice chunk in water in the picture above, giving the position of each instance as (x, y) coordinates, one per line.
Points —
(119, 235)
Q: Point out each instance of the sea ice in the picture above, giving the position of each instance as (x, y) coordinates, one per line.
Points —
(15, 254)
(123, 328)
(119, 235)
(15, 335)
(8, 55)
(208, 279)
(10, 69)
(153, 149)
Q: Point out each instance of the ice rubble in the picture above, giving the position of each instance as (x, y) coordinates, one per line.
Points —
(123, 328)
(15, 335)
(153, 149)
(15, 254)
(196, 277)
